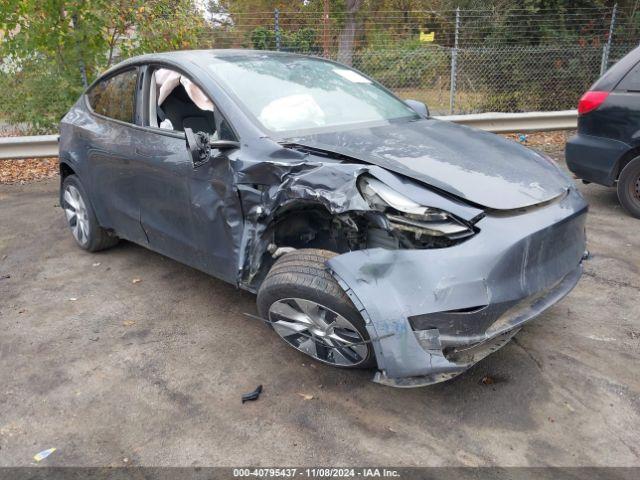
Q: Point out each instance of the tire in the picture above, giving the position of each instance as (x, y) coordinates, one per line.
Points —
(629, 187)
(299, 285)
(82, 221)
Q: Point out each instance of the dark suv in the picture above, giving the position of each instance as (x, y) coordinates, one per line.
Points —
(606, 149)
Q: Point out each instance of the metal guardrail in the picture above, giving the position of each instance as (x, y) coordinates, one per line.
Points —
(29, 147)
(518, 122)
(47, 145)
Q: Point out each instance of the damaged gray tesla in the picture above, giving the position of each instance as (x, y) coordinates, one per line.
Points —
(374, 235)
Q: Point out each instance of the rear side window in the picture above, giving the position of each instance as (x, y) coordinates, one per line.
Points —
(631, 81)
(115, 97)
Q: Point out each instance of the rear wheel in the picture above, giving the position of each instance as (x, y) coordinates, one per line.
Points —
(310, 311)
(81, 219)
(629, 187)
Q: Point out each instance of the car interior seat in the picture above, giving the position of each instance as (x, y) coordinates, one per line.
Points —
(179, 109)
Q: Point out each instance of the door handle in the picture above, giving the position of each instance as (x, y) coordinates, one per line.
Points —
(144, 153)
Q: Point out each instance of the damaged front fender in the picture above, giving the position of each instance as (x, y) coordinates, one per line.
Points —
(271, 191)
(448, 308)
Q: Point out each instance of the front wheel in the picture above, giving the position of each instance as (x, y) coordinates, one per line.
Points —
(629, 187)
(310, 311)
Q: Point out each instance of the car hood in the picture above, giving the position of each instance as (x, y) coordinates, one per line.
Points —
(480, 167)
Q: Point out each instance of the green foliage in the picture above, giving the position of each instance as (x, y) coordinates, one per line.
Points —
(263, 38)
(512, 79)
(58, 45)
(409, 64)
(37, 95)
(303, 40)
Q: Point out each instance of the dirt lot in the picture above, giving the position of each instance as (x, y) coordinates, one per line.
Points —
(112, 371)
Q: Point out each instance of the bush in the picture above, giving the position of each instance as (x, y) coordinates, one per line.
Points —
(515, 79)
(301, 41)
(37, 96)
(411, 64)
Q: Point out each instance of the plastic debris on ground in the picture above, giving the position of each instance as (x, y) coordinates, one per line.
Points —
(251, 396)
(43, 454)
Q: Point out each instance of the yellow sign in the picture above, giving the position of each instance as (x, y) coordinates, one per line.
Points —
(427, 37)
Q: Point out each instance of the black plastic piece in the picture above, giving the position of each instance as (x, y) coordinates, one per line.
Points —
(198, 145)
(249, 397)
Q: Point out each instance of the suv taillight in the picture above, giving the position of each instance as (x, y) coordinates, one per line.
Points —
(591, 100)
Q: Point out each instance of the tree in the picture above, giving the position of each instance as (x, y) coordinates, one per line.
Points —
(52, 49)
(348, 33)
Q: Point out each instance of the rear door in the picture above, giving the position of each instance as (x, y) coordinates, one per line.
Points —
(110, 137)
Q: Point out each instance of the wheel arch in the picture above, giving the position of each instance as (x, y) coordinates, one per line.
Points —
(296, 224)
(626, 158)
(65, 170)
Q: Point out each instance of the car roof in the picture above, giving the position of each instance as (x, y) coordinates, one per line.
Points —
(616, 73)
(195, 55)
(183, 57)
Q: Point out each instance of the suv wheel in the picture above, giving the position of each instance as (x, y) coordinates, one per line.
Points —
(81, 218)
(629, 187)
(310, 311)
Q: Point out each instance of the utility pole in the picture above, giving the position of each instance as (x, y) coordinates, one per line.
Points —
(454, 65)
(276, 19)
(325, 29)
(83, 70)
(604, 64)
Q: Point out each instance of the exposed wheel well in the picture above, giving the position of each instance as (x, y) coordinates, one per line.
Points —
(308, 226)
(311, 225)
(626, 158)
(65, 171)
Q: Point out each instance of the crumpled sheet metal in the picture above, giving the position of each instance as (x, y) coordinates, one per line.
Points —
(266, 188)
(507, 261)
(510, 258)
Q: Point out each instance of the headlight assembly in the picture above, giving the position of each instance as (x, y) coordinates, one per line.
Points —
(404, 214)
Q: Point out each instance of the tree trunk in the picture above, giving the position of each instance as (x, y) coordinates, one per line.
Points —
(348, 33)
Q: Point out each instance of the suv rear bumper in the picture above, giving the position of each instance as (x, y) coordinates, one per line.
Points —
(595, 159)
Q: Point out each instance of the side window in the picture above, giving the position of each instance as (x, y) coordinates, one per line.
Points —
(176, 103)
(115, 97)
(631, 81)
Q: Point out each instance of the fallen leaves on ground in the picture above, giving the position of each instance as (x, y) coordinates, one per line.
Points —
(538, 139)
(28, 169)
(551, 143)
(487, 380)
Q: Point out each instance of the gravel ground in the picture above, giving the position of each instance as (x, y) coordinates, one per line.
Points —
(112, 371)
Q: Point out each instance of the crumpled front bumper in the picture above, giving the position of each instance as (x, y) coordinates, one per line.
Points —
(433, 313)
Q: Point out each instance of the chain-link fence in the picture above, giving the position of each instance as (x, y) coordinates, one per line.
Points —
(454, 61)
(505, 59)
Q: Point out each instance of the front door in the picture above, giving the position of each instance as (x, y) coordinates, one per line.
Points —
(191, 214)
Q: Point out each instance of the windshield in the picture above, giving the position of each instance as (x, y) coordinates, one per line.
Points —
(289, 93)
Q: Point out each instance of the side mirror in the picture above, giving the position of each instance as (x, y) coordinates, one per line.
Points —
(224, 144)
(199, 146)
(418, 107)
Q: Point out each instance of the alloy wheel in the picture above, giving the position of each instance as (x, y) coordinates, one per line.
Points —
(318, 331)
(76, 212)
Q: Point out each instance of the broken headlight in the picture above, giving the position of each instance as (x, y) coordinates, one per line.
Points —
(405, 215)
